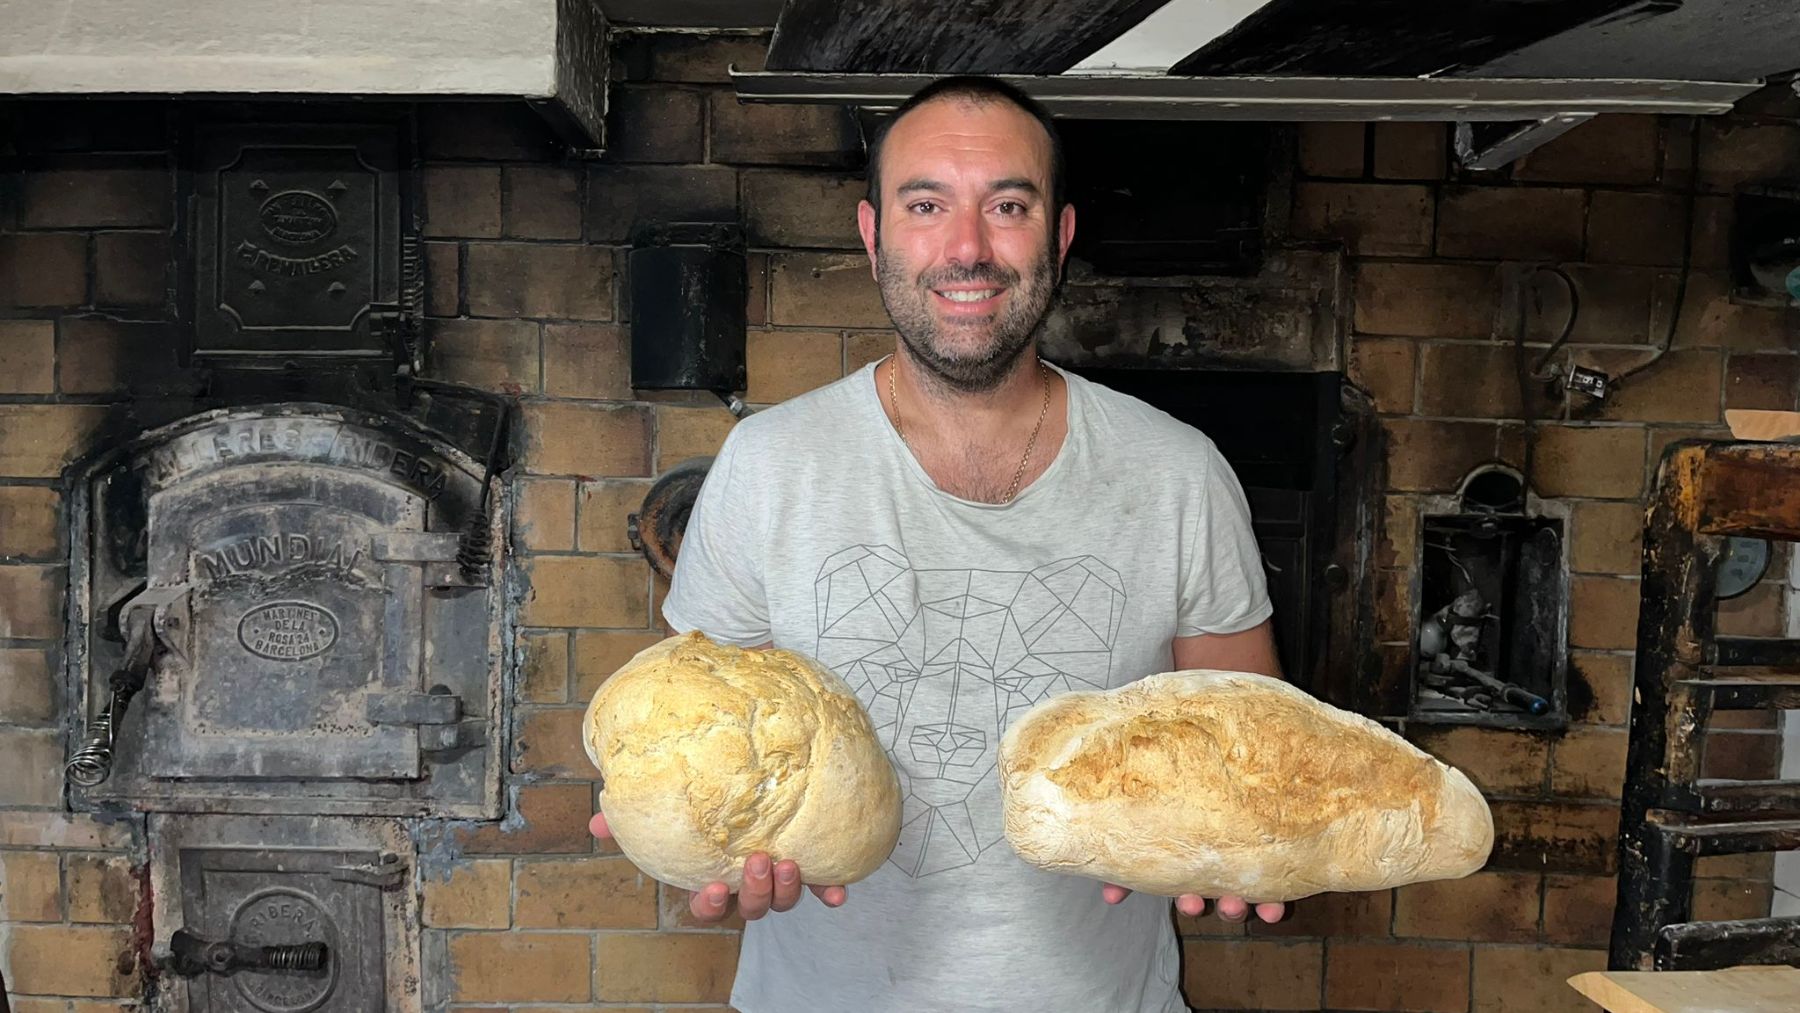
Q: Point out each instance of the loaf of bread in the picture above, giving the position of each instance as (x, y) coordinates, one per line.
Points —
(1225, 783)
(709, 753)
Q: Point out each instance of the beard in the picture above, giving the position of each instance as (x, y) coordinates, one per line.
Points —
(972, 356)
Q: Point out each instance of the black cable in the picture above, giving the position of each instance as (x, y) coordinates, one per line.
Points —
(1525, 376)
(1687, 252)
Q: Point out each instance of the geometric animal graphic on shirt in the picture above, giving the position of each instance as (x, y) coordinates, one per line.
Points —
(944, 659)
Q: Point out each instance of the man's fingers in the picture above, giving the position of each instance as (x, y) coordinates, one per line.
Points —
(1233, 909)
(787, 886)
(1113, 893)
(1191, 904)
(1271, 912)
(833, 896)
(758, 890)
(711, 903)
(597, 826)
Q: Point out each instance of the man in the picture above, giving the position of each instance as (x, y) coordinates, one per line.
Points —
(960, 531)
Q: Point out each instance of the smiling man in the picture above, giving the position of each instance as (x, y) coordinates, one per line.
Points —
(960, 531)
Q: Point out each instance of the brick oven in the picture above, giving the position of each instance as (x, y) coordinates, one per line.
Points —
(387, 762)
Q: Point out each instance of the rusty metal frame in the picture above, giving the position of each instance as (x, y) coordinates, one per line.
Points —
(1705, 492)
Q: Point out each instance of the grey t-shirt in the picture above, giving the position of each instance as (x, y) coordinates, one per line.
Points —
(818, 530)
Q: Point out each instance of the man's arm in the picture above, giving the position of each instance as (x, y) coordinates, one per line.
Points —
(1252, 650)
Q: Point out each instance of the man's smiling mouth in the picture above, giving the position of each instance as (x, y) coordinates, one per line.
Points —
(968, 295)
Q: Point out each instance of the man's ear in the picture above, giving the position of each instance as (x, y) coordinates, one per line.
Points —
(1065, 234)
(865, 224)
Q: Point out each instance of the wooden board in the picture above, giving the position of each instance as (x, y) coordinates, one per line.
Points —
(1735, 990)
(1758, 424)
(947, 36)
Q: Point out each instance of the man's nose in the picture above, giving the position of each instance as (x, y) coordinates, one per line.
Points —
(967, 244)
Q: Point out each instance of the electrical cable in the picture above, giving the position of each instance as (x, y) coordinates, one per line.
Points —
(1687, 252)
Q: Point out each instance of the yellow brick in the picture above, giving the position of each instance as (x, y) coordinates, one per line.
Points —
(1487, 907)
(27, 357)
(1578, 910)
(1606, 538)
(101, 889)
(1608, 678)
(1510, 979)
(1603, 612)
(665, 967)
(865, 347)
(587, 361)
(28, 520)
(599, 655)
(1499, 762)
(605, 511)
(545, 673)
(34, 759)
(785, 364)
(37, 440)
(30, 887)
(84, 960)
(500, 355)
(512, 966)
(40, 1006)
(31, 602)
(64, 830)
(824, 290)
(587, 440)
(25, 686)
(683, 433)
(1248, 974)
(1590, 763)
(545, 518)
(549, 743)
(587, 591)
(475, 895)
(587, 893)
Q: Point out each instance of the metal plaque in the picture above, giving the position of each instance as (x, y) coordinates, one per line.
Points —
(296, 241)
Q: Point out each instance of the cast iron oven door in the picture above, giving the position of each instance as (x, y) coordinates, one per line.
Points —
(317, 647)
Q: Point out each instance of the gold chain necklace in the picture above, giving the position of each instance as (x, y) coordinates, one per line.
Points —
(1043, 410)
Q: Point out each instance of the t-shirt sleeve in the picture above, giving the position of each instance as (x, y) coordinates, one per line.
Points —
(717, 587)
(1224, 589)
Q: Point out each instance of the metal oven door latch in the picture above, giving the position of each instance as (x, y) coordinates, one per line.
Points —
(190, 956)
(154, 622)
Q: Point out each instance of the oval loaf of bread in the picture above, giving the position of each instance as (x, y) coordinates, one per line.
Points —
(709, 753)
(1221, 783)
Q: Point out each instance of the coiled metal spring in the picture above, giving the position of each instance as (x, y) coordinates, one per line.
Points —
(475, 549)
(295, 957)
(92, 764)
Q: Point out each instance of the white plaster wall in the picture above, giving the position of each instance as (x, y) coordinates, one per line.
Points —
(372, 47)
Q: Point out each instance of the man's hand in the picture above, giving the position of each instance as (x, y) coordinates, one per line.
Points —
(767, 887)
(1231, 909)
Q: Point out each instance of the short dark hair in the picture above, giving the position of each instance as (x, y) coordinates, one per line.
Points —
(973, 88)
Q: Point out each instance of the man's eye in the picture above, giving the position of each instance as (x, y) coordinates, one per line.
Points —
(1010, 207)
(924, 207)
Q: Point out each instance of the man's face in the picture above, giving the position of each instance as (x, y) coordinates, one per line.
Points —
(965, 250)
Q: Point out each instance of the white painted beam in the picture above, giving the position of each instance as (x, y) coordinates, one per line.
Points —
(1167, 36)
(477, 48)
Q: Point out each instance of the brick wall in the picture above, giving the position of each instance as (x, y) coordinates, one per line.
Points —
(525, 255)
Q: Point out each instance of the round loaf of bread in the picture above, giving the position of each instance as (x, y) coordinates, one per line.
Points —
(1226, 783)
(709, 753)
